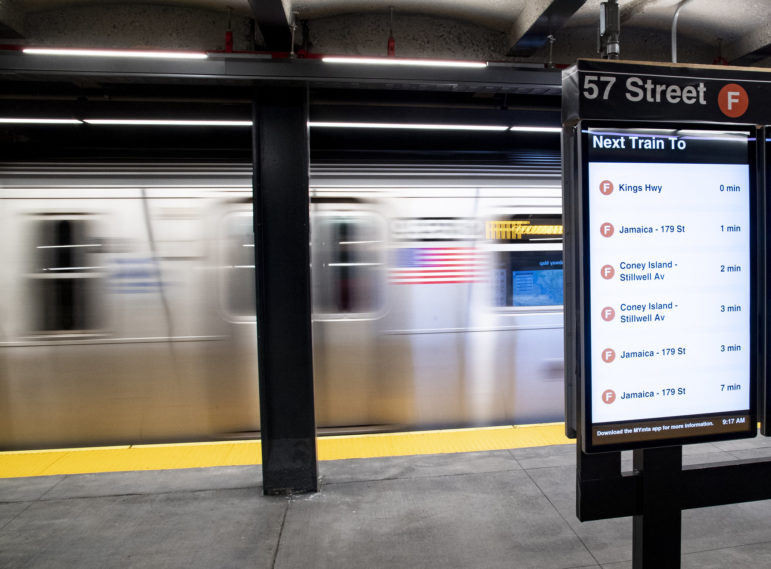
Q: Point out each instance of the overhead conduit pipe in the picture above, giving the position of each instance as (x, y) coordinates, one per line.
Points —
(674, 29)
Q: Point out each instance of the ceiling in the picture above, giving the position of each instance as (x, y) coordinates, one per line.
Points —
(738, 31)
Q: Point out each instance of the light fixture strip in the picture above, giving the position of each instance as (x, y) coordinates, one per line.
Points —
(396, 61)
(23, 120)
(312, 124)
(407, 126)
(163, 122)
(115, 53)
(535, 129)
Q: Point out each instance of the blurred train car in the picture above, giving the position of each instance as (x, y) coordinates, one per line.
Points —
(128, 300)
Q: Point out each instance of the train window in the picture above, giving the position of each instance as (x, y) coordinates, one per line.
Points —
(65, 278)
(528, 265)
(348, 263)
(239, 265)
(528, 278)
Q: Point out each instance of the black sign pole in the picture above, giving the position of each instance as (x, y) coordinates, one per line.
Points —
(656, 531)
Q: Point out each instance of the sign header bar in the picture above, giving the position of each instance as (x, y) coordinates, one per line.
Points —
(717, 94)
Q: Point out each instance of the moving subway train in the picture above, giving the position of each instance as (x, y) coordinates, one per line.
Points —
(128, 300)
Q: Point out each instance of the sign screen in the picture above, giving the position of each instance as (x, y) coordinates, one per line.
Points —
(669, 278)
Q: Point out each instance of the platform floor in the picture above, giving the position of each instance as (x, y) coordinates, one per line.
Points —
(503, 508)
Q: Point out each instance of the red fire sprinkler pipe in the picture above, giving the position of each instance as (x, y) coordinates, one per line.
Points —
(391, 40)
(229, 32)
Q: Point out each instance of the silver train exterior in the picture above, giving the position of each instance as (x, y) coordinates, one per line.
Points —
(128, 300)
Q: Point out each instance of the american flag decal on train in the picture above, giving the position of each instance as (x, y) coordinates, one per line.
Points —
(438, 265)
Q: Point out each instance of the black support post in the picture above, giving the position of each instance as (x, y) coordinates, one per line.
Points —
(656, 530)
(282, 250)
(599, 475)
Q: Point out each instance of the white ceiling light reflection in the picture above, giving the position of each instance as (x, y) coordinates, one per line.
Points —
(397, 61)
(407, 126)
(23, 120)
(165, 122)
(554, 129)
(115, 53)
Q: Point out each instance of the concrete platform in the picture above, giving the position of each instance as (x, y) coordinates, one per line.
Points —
(505, 508)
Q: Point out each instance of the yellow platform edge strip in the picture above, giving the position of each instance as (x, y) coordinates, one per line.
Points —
(20, 464)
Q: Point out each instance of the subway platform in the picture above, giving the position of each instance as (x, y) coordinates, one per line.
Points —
(502, 507)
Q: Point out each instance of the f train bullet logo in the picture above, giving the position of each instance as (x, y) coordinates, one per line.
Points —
(607, 272)
(608, 313)
(608, 396)
(606, 187)
(733, 100)
(607, 229)
(608, 355)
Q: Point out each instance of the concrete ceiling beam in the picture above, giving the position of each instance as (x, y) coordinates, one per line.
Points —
(11, 20)
(751, 48)
(538, 20)
(274, 24)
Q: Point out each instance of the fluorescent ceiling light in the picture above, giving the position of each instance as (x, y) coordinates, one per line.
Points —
(406, 126)
(163, 122)
(116, 53)
(15, 120)
(535, 129)
(403, 61)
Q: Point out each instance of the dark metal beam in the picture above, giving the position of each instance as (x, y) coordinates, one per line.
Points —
(282, 251)
(274, 26)
(437, 115)
(740, 481)
(604, 492)
(533, 30)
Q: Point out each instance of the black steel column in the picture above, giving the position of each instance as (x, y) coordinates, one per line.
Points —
(656, 531)
(282, 250)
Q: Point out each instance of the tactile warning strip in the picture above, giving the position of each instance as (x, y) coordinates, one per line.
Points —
(17, 464)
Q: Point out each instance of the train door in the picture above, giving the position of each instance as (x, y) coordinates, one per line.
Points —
(348, 292)
(56, 287)
(437, 275)
(527, 296)
(234, 390)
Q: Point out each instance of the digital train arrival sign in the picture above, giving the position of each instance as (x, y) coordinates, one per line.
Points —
(668, 275)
